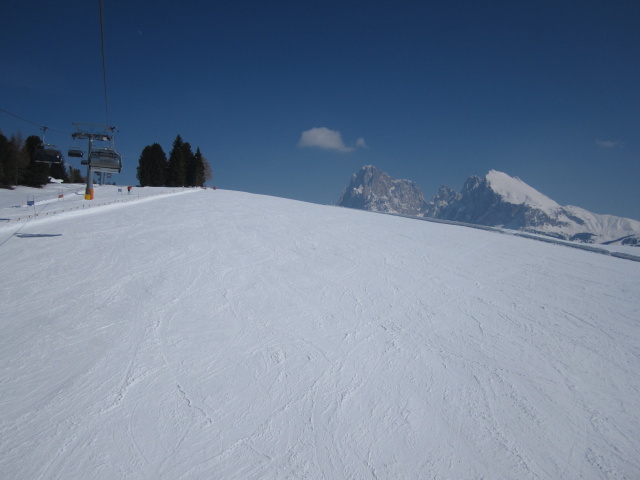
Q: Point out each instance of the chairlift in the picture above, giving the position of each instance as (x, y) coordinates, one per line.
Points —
(104, 160)
(48, 154)
(75, 152)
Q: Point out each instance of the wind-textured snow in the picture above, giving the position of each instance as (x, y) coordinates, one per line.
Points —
(219, 334)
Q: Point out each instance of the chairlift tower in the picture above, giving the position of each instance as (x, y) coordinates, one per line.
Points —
(101, 159)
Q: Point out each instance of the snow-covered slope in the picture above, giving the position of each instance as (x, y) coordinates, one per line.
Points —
(219, 334)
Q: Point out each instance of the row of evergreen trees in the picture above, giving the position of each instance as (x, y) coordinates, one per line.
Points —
(183, 168)
(18, 165)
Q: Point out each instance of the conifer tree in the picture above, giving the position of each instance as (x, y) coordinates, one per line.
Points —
(152, 166)
(176, 165)
(36, 174)
(12, 160)
(4, 159)
(59, 171)
(189, 165)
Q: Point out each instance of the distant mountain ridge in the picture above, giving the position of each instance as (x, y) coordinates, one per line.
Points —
(374, 190)
(496, 200)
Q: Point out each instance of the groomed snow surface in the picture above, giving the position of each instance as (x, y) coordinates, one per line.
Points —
(219, 334)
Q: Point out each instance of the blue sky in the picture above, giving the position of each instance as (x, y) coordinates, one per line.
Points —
(430, 91)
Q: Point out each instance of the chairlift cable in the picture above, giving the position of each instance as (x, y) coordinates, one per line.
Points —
(20, 118)
(104, 65)
(33, 123)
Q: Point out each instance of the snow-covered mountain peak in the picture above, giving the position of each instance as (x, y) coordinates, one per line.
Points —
(515, 191)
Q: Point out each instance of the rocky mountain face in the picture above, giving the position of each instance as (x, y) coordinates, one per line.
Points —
(439, 203)
(374, 190)
(496, 200)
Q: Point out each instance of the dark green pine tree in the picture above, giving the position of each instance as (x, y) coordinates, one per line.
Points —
(152, 166)
(190, 165)
(12, 160)
(59, 171)
(176, 165)
(36, 173)
(4, 160)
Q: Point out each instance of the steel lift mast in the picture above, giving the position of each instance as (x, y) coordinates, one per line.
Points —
(98, 159)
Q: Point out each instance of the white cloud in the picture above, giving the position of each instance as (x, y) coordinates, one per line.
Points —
(322, 137)
(608, 143)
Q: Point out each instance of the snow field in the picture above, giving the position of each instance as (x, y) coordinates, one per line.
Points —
(229, 335)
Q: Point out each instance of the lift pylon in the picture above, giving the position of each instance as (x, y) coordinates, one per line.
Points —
(99, 159)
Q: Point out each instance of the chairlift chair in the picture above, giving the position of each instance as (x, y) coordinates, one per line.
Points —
(75, 152)
(105, 160)
(48, 154)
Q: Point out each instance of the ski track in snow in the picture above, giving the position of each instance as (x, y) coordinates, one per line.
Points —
(228, 335)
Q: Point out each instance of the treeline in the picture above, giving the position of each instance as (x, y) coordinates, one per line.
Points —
(183, 168)
(18, 165)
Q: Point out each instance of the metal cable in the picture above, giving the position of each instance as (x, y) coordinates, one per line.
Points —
(33, 123)
(104, 65)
